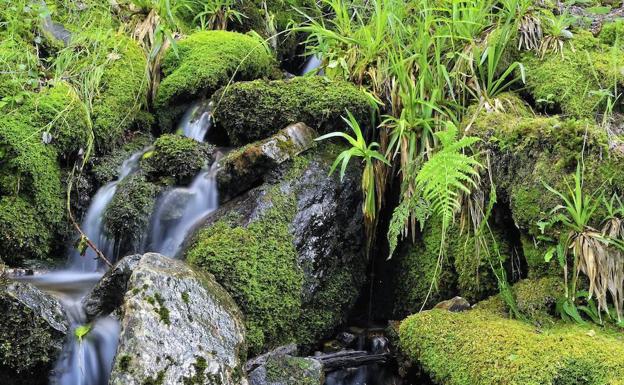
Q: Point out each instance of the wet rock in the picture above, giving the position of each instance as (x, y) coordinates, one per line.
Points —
(33, 328)
(260, 360)
(109, 292)
(298, 239)
(288, 370)
(177, 326)
(242, 169)
(455, 304)
(346, 338)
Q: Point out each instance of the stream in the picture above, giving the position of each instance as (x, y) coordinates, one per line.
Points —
(88, 360)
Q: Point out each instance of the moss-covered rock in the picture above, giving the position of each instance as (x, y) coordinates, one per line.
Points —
(206, 61)
(290, 251)
(19, 69)
(478, 347)
(250, 111)
(175, 159)
(288, 370)
(465, 268)
(530, 151)
(33, 329)
(572, 82)
(30, 181)
(127, 215)
(105, 168)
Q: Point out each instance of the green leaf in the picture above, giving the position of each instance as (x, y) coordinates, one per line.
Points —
(81, 331)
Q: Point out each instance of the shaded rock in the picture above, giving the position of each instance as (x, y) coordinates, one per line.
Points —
(33, 328)
(109, 292)
(288, 370)
(290, 251)
(455, 304)
(255, 362)
(177, 326)
(242, 169)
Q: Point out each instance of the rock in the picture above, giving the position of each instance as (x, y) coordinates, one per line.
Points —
(346, 338)
(288, 370)
(242, 169)
(290, 251)
(455, 304)
(251, 111)
(33, 328)
(177, 325)
(255, 362)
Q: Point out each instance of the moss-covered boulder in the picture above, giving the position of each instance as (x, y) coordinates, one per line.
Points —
(127, 216)
(175, 159)
(528, 151)
(30, 191)
(33, 329)
(204, 62)
(479, 347)
(288, 370)
(573, 82)
(291, 251)
(464, 269)
(251, 111)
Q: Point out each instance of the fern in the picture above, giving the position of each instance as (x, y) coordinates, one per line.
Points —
(408, 208)
(449, 174)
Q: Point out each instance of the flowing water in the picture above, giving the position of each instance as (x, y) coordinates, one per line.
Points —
(178, 210)
(311, 64)
(92, 224)
(88, 360)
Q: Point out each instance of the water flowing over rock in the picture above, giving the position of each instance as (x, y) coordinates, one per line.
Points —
(33, 328)
(177, 325)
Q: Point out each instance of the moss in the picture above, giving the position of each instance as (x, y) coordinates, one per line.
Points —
(612, 33)
(255, 110)
(185, 297)
(176, 159)
(465, 268)
(123, 89)
(158, 302)
(158, 380)
(30, 181)
(290, 370)
(206, 61)
(571, 82)
(19, 69)
(127, 216)
(258, 266)
(536, 298)
(124, 363)
(59, 111)
(477, 347)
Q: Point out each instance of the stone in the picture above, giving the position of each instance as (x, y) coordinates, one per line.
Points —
(260, 360)
(455, 304)
(288, 370)
(33, 328)
(245, 168)
(177, 325)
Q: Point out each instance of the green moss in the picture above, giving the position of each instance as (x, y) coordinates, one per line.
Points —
(255, 110)
(127, 215)
(570, 82)
(123, 89)
(291, 370)
(205, 62)
(29, 181)
(59, 111)
(536, 298)
(124, 363)
(106, 168)
(612, 33)
(158, 302)
(176, 159)
(158, 380)
(258, 266)
(19, 69)
(477, 347)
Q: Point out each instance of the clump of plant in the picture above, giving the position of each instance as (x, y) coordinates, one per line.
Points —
(581, 248)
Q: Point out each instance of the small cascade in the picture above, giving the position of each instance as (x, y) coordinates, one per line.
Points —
(197, 120)
(178, 210)
(312, 64)
(92, 224)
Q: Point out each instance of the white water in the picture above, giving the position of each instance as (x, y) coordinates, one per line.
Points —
(201, 198)
(92, 224)
(312, 64)
(197, 120)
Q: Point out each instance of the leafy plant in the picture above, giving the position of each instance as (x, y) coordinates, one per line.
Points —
(556, 31)
(81, 331)
(368, 153)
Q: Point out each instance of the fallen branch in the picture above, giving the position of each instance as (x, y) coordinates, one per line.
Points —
(349, 359)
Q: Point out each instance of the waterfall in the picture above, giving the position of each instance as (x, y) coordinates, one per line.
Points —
(92, 224)
(197, 120)
(179, 210)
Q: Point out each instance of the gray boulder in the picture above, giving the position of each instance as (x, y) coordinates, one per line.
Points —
(33, 329)
(177, 325)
